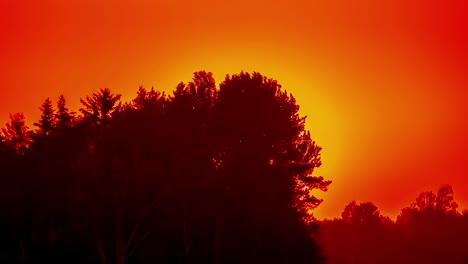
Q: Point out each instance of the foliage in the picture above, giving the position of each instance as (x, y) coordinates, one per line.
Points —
(430, 230)
(17, 134)
(203, 175)
(99, 107)
(48, 122)
(64, 117)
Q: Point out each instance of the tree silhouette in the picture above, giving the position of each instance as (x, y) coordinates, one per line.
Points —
(203, 89)
(425, 200)
(209, 174)
(433, 227)
(220, 175)
(64, 117)
(99, 107)
(445, 201)
(48, 122)
(362, 235)
(148, 99)
(442, 202)
(261, 159)
(362, 213)
(17, 134)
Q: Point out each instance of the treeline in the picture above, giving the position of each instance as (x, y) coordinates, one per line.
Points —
(206, 175)
(429, 231)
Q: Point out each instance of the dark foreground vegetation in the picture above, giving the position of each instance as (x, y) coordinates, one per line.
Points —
(205, 175)
(430, 231)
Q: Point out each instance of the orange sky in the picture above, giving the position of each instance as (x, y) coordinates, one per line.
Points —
(383, 83)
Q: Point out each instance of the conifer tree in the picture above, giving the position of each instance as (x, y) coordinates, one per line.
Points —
(64, 116)
(48, 121)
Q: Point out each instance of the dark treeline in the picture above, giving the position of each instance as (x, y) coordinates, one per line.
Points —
(429, 231)
(206, 175)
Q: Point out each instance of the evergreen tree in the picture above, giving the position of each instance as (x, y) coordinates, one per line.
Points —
(100, 106)
(64, 117)
(48, 120)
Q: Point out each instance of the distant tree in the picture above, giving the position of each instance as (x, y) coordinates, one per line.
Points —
(445, 201)
(64, 117)
(362, 235)
(425, 200)
(148, 99)
(48, 122)
(428, 231)
(433, 226)
(17, 134)
(442, 202)
(203, 89)
(99, 107)
(429, 208)
(365, 212)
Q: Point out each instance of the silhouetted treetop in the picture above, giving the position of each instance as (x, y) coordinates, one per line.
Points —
(48, 120)
(148, 99)
(218, 174)
(260, 106)
(428, 231)
(443, 201)
(261, 122)
(100, 106)
(17, 134)
(366, 212)
(203, 89)
(64, 117)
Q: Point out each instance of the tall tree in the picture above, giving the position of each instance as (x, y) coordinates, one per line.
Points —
(48, 122)
(64, 117)
(17, 134)
(264, 150)
(255, 112)
(99, 107)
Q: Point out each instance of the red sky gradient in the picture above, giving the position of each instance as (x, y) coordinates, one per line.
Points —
(383, 83)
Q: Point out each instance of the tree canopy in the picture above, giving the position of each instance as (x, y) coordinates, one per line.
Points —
(100, 106)
(431, 230)
(207, 174)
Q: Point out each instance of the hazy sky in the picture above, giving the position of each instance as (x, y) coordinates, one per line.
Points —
(383, 83)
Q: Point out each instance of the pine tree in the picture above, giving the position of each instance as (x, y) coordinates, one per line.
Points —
(64, 116)
(100, 106)
(48, 121)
